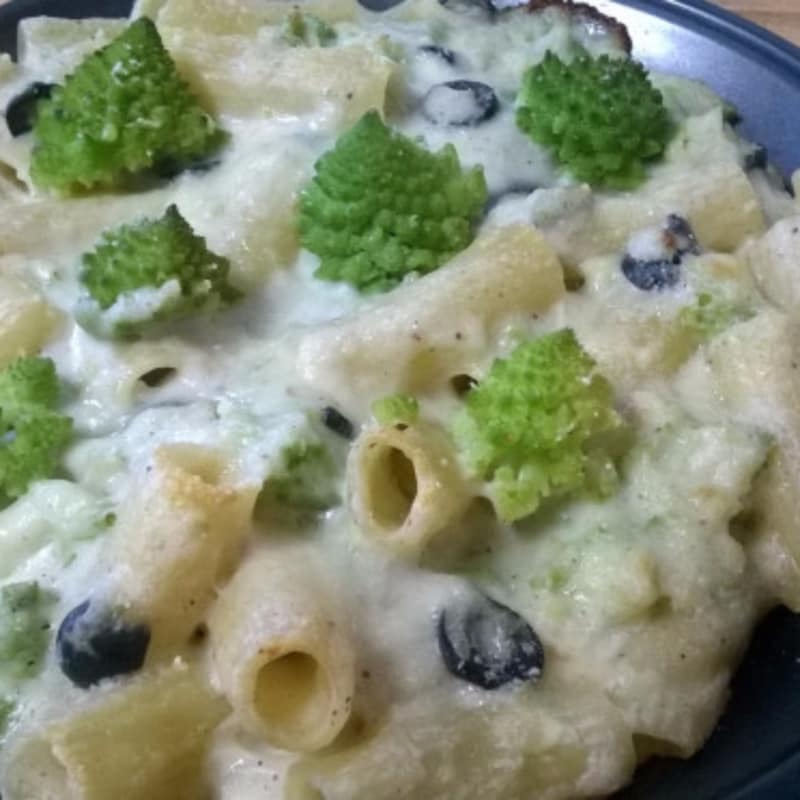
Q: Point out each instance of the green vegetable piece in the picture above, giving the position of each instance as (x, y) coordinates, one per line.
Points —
(7, 706)
(306, 30)
(124, 109)
(29, 381)
(396, 409)
(541, 424)
(150, 272)
(305, 478)
(600, 117)
(381, 207)
(32, 433)
(710, 316)
(24, 628)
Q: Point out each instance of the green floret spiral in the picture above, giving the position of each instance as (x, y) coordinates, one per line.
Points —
(149, 272)
(600, 117)
(33, 434)
(381, 206)
(124, 109)
(542, 423)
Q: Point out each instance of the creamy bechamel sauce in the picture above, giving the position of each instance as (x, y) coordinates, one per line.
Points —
(644, 602)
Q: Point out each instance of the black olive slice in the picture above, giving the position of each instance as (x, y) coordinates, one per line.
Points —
(337, 422)
(467, 6)
(651, 275)
(679, 237)
(440, 52)
(663, 269)
(460, 103)
(379, 5)
(487, 644)
(21, 110)
(93, 644)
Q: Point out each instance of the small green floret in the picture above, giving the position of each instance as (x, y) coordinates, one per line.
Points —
(150, 272)
(25, 611)
(600, 117)
(125, 109)
(32, 433)
(540, 424)
(304, 479)
(710, 316)
(396, 409)
(7, 706)
(306, 30)
(381, 207)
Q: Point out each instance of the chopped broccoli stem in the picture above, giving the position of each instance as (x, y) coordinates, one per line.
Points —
(600, 117)
(122, 111)
(542, 423)
(32, 434)
(396, 409)
(300, 29)
(150, 272)
(381, 207)
(25, 611)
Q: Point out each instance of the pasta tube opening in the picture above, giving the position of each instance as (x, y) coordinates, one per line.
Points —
(281, 651)
(287, 689)
(392, 486)
(405, 486)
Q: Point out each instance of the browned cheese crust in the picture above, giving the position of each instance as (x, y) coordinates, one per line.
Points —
(587, 15)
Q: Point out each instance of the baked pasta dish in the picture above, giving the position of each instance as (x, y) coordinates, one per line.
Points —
(393, 404)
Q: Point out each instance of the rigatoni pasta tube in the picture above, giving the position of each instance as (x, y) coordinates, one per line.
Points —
(425, 332)
(179, 535)
(246, 17)
(26, 320)
(529, 746)
(145, 741)
(239, 75)
(281, 652)
(405, 485)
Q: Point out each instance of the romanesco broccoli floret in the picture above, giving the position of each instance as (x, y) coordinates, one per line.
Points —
(300, 29)
(600, 117)
(151, 272)
(124, 109)
(381, 206)
(25, 611)
(540, 424)
(32, 433)
(396, 409)
(304, 477)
